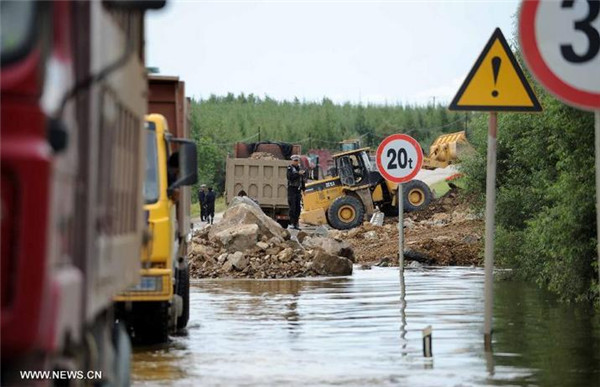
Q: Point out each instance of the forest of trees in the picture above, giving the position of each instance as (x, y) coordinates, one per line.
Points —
(219, 122)
(545, 212)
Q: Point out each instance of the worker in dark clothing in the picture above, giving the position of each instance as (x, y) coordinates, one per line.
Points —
(201, 200)
(295, 178)
(209, 200)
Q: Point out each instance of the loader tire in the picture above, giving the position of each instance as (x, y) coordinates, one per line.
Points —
(345, 212)
(417, 195)
(183, 290)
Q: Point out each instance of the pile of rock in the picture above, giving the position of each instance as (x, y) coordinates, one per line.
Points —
(247, 243)
(263, 156)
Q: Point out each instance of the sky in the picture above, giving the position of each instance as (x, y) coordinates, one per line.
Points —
(392, 52)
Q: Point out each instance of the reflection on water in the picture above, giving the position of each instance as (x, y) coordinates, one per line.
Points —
(360, 331)
(560, 342)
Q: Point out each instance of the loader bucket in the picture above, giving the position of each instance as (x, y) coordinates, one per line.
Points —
(448, 148)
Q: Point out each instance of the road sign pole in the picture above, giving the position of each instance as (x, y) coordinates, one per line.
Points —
(490, 208)
(597, 146)
(400, 230)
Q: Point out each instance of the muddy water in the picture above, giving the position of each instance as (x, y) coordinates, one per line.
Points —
(357, 331)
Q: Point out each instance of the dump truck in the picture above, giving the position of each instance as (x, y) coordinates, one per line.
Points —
(72, 155)
(354, 191)
(159, 303)
(263, 179)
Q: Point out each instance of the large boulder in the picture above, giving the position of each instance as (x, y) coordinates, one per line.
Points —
(328, 264)
(238, 238)
(243, 199)
(243, 212)
(238, 260)
(331, 246)
(286, 255)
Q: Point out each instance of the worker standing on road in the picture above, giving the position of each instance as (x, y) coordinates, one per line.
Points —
(210, 205)
(295, 178)
(201, 200)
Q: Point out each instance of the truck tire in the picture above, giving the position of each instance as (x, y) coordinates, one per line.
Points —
(122, 361)
(345, 212)
(150, 322)
(417, 195)
(183, 290)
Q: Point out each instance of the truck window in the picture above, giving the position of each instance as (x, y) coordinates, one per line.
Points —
(17, 29)
(151, 182)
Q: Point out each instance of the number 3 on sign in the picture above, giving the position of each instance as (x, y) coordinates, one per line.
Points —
(399, 158)
(560, 41)
(585, 26)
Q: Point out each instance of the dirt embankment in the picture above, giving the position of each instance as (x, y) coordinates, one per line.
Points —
(446, 233)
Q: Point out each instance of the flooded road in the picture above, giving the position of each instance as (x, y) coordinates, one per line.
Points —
(356, 331)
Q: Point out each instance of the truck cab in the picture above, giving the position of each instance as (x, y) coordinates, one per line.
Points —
(159, 303)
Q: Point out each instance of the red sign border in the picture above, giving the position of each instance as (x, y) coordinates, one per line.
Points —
(539, 68)
(409, 139)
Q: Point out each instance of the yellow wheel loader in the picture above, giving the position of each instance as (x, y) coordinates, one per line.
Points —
(446, 150)
(354, 190)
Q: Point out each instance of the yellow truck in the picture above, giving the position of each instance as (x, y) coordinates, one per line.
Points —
(159, 303)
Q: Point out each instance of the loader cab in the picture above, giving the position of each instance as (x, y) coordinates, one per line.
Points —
(353, 167)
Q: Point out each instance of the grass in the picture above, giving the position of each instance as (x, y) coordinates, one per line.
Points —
(440, 188)
(220, 206)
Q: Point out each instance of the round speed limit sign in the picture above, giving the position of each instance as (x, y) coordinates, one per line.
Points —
(560, 40)
(399, 158)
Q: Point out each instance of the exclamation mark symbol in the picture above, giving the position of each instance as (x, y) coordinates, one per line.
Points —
(496, 62)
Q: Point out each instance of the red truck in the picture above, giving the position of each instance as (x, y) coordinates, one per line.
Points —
(72, 151)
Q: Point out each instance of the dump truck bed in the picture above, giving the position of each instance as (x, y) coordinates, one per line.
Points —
(263, 180)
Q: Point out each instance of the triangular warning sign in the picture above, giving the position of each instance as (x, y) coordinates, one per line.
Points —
(496, 82)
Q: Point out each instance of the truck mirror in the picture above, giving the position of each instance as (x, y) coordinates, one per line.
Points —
(188, 164)
(188, 160)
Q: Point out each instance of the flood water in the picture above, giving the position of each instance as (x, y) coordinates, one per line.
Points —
(357, 331)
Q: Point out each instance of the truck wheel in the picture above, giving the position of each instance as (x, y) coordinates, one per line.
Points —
(345, 212)
(183, 290)
(417, 195)
(151, 322)
(122, 359)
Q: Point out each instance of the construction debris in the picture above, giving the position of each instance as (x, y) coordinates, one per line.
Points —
(263, 156)
(249, 244)
(446, 233)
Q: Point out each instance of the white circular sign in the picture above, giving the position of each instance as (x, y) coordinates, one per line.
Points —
(561, 45)
(399, 158)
